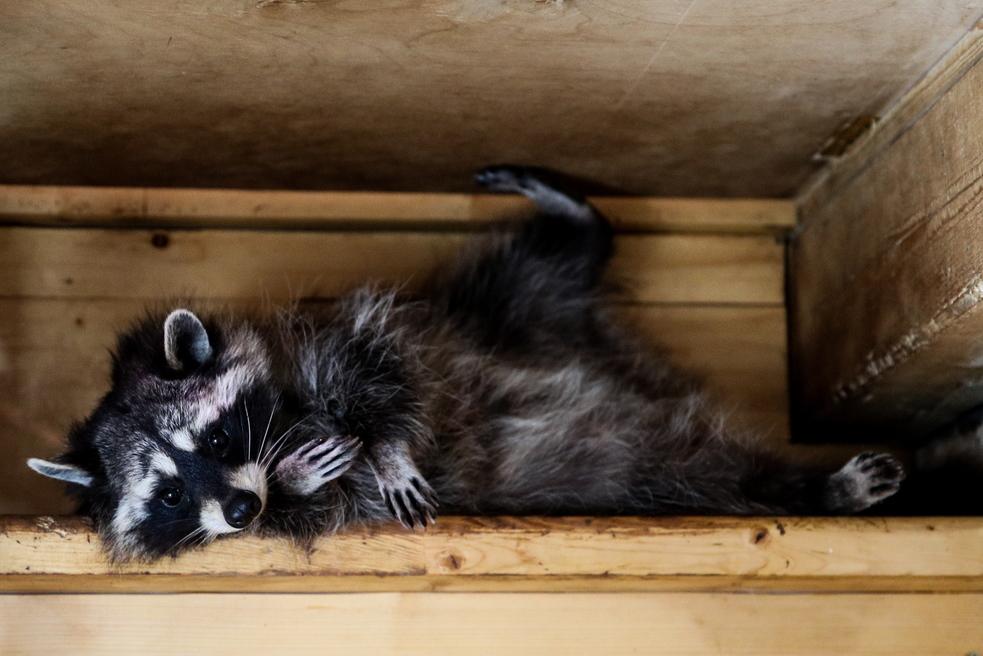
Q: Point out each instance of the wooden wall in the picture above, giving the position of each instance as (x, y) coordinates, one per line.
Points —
(656, 97)
(887, 268)
(706, 280)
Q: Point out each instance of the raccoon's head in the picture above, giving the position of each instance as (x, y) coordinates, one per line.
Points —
(173, 456)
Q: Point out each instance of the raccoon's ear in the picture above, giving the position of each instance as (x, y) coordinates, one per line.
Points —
(186, 343)
(61, 471)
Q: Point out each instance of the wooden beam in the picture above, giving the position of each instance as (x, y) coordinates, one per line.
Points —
(242, 208)
(237, 264)
(887, 271)
(467, 623)
(533, 554)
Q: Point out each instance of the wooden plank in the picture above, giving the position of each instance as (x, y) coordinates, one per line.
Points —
(900, 117)
(151, 207)
(539, 624)
(92, 263)
(534, 554)
(887, 280)
(54, 366)
(726, 347)
(653, 97)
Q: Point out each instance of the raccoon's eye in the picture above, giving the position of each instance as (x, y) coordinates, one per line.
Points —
(218, 441)
(170, 496)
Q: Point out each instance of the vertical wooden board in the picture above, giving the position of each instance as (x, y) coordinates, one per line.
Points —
(494, 623)
(887, 277)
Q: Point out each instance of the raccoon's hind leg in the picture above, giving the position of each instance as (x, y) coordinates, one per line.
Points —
(567, 226)
(538, 285)
(526, 181)
(864, 481)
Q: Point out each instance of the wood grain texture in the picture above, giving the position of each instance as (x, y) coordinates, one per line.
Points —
(536, 554)
(223, 208)
(887, 278)
(54, 366)
(104, 263)
(534, 624)
(654, 97)
(901, 116)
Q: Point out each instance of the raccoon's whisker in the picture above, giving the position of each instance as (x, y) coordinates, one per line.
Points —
(267, 458)
(269, 423)
(279, 444)
(249, 432)
(194, 532)
(204, 538)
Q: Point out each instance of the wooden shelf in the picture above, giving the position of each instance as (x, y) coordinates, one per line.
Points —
(46, 554)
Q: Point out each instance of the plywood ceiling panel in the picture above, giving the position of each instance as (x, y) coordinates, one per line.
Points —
(668, 97)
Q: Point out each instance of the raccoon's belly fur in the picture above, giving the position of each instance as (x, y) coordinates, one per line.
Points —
(572, 431)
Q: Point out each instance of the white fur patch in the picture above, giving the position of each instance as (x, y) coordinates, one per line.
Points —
(181, 439)
(132, 507)
(212, 519)
(163, 463)
(251, 477)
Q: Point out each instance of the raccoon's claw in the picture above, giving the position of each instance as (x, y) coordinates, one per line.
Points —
(317, 463)
(413, 503)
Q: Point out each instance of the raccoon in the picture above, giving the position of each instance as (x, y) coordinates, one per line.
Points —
(506, 387)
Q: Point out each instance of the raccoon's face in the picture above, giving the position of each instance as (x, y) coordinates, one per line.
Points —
(177, 453)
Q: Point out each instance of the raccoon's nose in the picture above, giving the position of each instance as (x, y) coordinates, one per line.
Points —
(242, 508)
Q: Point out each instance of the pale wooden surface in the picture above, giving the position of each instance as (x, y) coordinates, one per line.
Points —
(133, 206)
(666, 97)
(492, 624)
(279, 265)
(887, 270)
(528, 554)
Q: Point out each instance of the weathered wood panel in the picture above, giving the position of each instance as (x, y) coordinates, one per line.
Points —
(666, 97)
(888, 271)
(535, 554)
(136, 206)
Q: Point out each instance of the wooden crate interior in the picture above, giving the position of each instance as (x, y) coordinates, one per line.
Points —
(796, 188)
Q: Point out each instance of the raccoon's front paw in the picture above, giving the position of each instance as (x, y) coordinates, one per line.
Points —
(316, 463)
(411, 500)
(865, 480)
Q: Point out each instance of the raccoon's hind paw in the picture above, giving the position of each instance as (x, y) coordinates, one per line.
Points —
(863, 481)
(316, 463)
(506, 179)
(411, 500)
